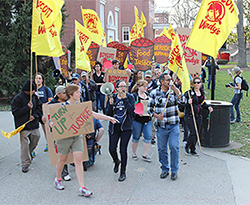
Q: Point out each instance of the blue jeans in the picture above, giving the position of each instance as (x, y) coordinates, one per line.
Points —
(236, 102)
(145, 128)
(100, 98)
(209, 80)
(170, 135)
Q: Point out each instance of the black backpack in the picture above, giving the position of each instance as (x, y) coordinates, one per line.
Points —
(244, 84)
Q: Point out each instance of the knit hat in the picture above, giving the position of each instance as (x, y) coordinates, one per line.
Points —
(26, 86)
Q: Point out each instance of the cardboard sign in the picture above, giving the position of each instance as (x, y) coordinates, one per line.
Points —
(106, 53)
(162, 48)
(142, 52)
(145, 105)
(53, 153)
(114, 75)
(64, 65)
(71, 120)
(192, 57)
(92, 53)
(121, 52)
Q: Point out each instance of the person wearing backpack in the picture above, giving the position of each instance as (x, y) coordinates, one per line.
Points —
(238, 94)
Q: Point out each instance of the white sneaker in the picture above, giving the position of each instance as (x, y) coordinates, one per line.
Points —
(146, 158)
(184, 143)
(67, 178)
(58, 184)
(83, 191)
(134, 157)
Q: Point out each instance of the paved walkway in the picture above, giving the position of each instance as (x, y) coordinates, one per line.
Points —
(212, 178)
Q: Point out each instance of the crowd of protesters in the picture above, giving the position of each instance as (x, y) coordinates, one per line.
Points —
(167, 108)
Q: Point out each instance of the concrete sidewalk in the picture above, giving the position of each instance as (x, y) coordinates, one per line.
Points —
(211, 178)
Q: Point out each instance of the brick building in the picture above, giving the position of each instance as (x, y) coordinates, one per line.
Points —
(117, 17)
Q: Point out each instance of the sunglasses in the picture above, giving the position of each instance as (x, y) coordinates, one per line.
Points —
(197, 82)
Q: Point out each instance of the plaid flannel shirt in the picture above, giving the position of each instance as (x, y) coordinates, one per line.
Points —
(156, 104)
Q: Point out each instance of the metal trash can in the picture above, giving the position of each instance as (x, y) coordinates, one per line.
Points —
(216, 131)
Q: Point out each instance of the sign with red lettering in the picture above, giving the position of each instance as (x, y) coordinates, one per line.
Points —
(142, 52)
(92, 53)
(192, 57)
(114, 75)
(121, 52)
(71, 120)
(162, 47)
(52, 146)
(106, 53)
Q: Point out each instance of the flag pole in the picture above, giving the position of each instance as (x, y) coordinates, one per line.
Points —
(213, 78)
(31, 71)
(194, 120)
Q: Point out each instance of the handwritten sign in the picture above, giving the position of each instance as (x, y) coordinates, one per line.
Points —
(106, 53)
(52, 147)
(71, 120)
(142, 52)
(192, 57)
(114, 75)
(162, 47)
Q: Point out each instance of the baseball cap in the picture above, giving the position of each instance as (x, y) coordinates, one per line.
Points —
(236, 69)
(148, 73)
(59, 89)
(75, 76)
(84, 73)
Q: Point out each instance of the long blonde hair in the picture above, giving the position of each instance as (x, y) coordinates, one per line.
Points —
(138, 84)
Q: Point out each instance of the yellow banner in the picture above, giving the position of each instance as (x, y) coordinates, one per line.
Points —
(137, 30)
(82, 43)
(46, 28)
(92, 22)
(213, 24)
(8, 135)
(177, 62)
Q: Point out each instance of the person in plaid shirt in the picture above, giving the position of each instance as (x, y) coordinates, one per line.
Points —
(167, 124)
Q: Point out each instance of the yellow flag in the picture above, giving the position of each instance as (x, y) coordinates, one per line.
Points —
(143, 20)
(213, 24)
(164, 32)
(8, 135)
(46, 27)
(82, 43)
(92, 22)
(177, 62)
(137, 30)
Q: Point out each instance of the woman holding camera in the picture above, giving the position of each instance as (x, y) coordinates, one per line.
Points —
(197, 100)
(238, 94)
(121, 106)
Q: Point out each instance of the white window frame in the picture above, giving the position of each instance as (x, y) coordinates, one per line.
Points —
(125, 29)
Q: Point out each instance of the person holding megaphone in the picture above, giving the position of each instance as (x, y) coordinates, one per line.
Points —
(121, 106)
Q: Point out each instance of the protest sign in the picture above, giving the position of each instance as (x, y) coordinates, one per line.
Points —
(92, 53)
(121, 52)
(145, 104)
(71, 120)
(192, 57)
(162, 47)
(142, 52)
(113, 75)
(106, 53)
(53, 153)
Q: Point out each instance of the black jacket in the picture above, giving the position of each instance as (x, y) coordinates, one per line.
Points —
(21, 110)
(129, 103)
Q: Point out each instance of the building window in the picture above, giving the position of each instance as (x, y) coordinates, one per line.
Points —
(156, 20)
(125, 34)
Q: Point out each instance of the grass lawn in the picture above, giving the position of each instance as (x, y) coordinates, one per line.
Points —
(239, 132)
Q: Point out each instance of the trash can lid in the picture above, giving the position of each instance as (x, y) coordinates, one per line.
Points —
(218, 103)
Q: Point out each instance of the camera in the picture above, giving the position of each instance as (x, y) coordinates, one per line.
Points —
(228, 85)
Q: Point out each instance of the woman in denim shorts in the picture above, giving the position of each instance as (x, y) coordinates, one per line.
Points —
(141, 124)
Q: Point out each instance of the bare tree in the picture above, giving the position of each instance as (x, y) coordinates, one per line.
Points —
(184, 13)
